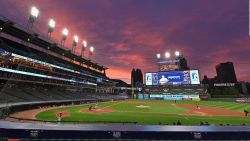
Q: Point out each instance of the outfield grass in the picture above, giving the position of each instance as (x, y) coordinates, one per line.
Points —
(165, 113)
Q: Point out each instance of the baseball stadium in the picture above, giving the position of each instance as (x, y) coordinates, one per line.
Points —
(50, 92)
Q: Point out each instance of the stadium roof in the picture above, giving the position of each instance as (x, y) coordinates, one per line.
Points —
(9, 27)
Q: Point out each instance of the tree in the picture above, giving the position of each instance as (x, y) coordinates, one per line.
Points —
(215, 91)
(246, 112)
(230, 91)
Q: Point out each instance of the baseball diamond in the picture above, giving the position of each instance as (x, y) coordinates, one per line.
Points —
(146, 112)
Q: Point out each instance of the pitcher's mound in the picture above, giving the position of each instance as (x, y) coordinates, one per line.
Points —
(142, 106)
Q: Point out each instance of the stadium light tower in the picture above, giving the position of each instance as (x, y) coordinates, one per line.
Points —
(34, 12)
(84, 46)
(91, 50)
(65, 33)
(75, 41)
(158, 55)
(52, 25)
(167, 55)
(177, 53)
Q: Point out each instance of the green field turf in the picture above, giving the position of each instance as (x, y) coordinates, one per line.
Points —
(163, 112)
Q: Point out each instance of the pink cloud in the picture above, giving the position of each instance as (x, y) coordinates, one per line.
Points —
(119, 73)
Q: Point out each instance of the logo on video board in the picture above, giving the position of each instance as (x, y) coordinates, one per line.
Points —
(194, 76)
(148, 78)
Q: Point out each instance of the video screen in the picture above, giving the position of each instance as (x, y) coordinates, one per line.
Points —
(168, 65)
(172, 78)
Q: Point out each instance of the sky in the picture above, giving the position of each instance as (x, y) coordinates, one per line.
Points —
(128, 34)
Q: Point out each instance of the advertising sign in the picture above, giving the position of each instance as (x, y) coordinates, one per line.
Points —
(194, 77)
(174, 97)
(170, 77)
(148, 78)
(154, 79)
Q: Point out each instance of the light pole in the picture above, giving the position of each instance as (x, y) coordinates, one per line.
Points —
(158, 56)
(52, 25)
(177, 53)
(133, 92)
(75, 41)
(91, 50)
(167, 55)
(65, 33)
(84, 46)
(34, 12)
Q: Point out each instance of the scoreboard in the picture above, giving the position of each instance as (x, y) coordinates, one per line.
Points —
(172, 77)
(169, 65)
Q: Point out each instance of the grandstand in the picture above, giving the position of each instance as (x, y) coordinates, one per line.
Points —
(35, 68)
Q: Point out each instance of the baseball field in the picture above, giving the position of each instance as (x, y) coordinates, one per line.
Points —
(148, 112)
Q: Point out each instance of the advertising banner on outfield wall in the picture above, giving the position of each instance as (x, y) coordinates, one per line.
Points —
(174, 97)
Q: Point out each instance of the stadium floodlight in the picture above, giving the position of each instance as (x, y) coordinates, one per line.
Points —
(167, 55)
(65, 33)
(52, 25)
(75, 41)
(91, 50)
(177, 53)
(84, 46)
(34, 12)
(158, 55)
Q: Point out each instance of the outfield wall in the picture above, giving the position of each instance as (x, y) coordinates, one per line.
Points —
(194, 97)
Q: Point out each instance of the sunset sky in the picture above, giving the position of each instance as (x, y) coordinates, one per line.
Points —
(129, 33)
